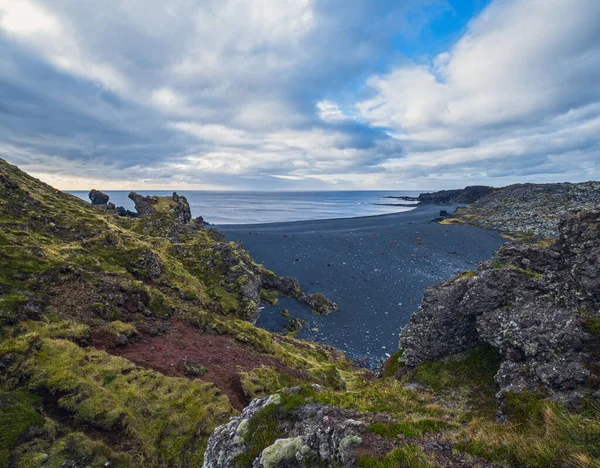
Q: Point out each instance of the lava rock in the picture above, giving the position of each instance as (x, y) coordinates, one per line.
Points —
(534, 304)
(98, 198)
(313, 435)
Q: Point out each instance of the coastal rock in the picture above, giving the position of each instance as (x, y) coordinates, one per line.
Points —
(126, 213)
(164, 216)
(98, 198)
(448, 197)
(530, 209)
(311, 435)
(145, 206)
(540, 307)
(295, 324)
(290, 287)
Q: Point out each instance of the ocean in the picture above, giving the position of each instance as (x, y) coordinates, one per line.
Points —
(226, 208)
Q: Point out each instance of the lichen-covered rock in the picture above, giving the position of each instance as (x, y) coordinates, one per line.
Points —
(530, 208)
(534, 304)
(98, 198)
(310, 435)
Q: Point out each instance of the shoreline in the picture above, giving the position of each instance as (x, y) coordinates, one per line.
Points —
(375, 268)
(418, 209)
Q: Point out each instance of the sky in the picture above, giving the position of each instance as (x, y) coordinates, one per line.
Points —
(300, 94)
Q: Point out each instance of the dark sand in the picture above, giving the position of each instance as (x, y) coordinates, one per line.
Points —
(375, 268)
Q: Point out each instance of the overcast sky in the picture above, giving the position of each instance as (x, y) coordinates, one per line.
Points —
(300, 94)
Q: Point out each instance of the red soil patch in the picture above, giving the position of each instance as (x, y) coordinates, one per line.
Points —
(223, 357)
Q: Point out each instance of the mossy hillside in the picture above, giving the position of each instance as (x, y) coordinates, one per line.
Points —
(44, 229)
(17, 415)
(55, 446)
(166, 420)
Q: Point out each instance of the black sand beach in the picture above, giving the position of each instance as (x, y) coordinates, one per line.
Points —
(375, 268)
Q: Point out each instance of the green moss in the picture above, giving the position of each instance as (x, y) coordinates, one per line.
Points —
(270, 296)
(404, 457)
(473, 373)
(17, 414)
(68, 330)
(409, 429)
(393, 364)
(121, 328)
(330, 376)
(593, 325)
(467, 274)
(265, 381)
(262, 431)
(529, 273)
(525, 408)
(169, 418)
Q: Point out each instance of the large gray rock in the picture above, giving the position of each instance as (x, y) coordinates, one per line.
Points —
(534, 304)
(312, 435)
(98, 198)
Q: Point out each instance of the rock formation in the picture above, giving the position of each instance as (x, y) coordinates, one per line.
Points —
(540, 307)
(529, 209)
(448, 197)
(313, 435)
(98, 198)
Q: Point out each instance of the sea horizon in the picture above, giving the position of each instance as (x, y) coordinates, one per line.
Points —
(230, 207)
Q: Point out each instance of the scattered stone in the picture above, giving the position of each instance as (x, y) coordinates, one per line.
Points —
(295, 324)
(192, 368)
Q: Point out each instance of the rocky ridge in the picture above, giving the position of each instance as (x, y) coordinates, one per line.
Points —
(539, 306)
(529, 209)
(448, 197)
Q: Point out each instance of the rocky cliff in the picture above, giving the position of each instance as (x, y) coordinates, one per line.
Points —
(538, 305)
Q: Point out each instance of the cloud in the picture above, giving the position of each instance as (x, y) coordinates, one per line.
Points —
(308, 93)
(523, 83)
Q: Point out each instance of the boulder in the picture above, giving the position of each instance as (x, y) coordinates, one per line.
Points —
(311, 435)
(98, 198)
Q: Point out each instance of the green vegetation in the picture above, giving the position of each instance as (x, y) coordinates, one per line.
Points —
(473, 371)
(405, 457)
(17, 414)
(265, 381)
(409, 429)
(529, 273)
(262, 431)
(72, 274)
(169, 419)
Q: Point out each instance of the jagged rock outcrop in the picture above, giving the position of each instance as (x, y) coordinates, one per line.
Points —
(312, 435)
(98, 198)
(530, 208)
(290, 287)
(250, 279)
(540, 307)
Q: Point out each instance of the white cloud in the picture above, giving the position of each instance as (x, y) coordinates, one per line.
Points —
(524, 80)
(267, 90)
